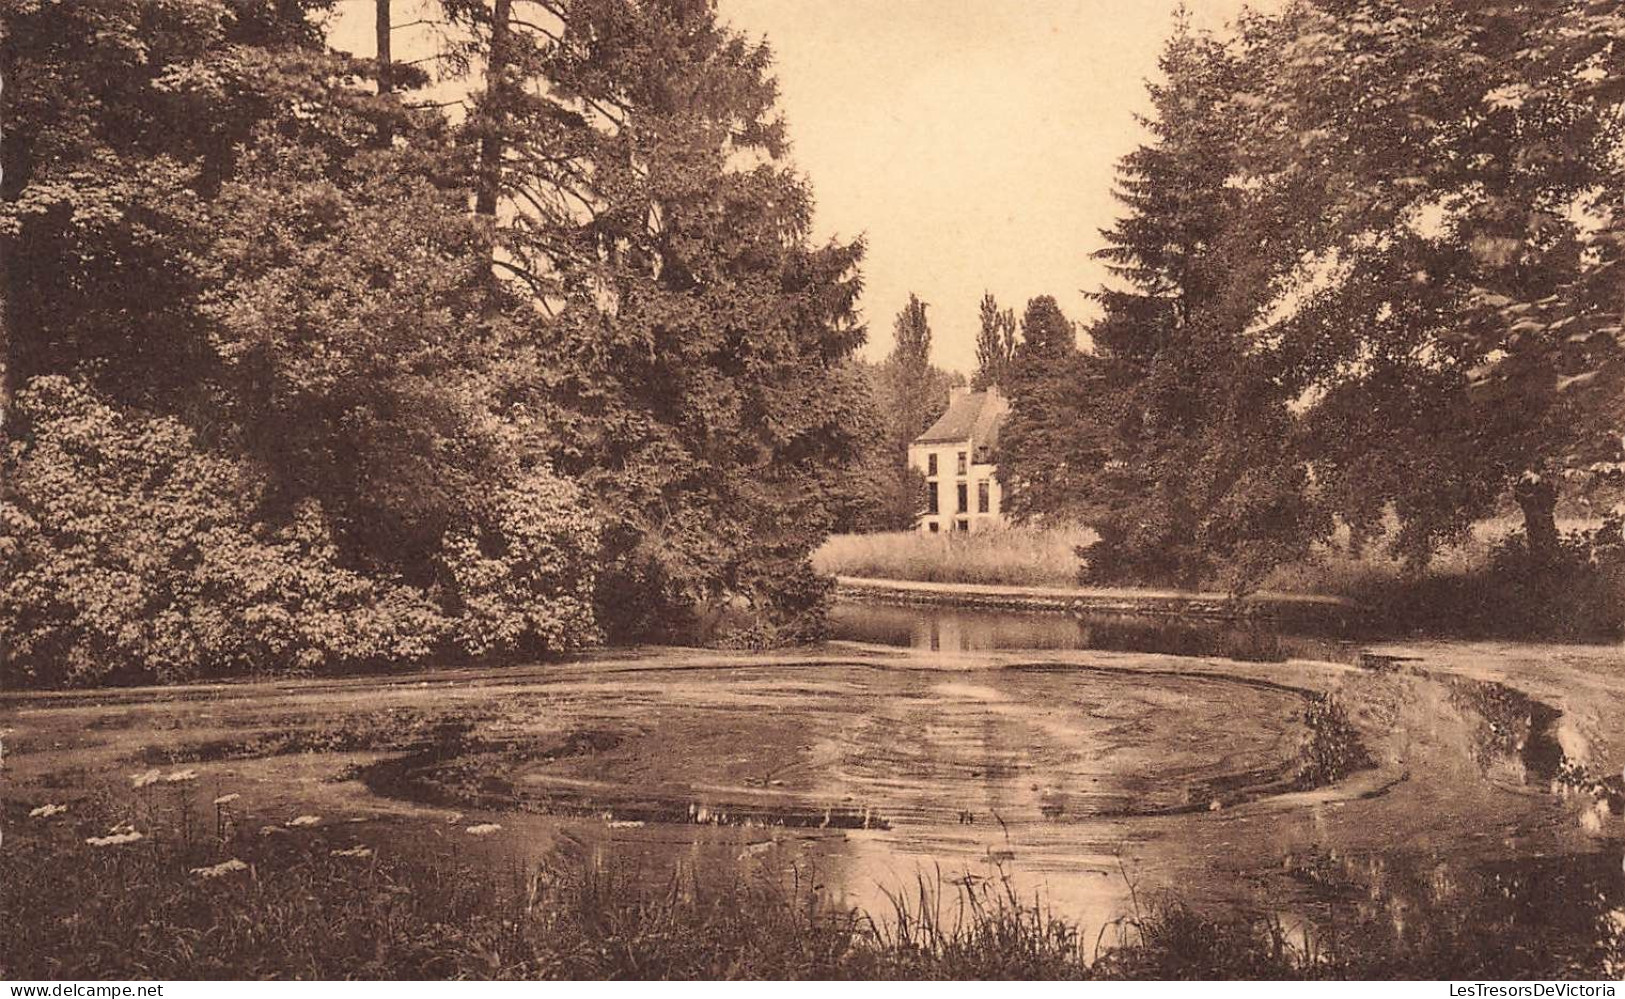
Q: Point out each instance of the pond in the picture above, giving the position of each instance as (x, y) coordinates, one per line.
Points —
(1075, 762)
(951, 629)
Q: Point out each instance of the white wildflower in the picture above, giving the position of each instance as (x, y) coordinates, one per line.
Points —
(120, 834)
(483, 829)
(1508, 98)
(305, 820)
(756, 849)
(46, 811)
(181, 776)
(221, 869)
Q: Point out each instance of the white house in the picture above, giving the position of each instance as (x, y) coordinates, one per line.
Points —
(956, 456)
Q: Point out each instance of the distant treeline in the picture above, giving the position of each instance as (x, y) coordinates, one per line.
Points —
(1367, 280)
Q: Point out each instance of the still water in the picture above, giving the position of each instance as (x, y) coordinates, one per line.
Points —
(946, 629)
(1099, 765)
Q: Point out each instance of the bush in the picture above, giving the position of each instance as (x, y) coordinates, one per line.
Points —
(1502, 588)
(128, 554)
(131, 555)
(786, 606)
(1575, 590)
(1233, 540)
(524, 581)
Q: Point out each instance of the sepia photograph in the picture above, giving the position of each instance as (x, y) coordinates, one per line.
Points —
(806, 490)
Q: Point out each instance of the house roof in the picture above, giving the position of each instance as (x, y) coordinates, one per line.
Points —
(972, 416)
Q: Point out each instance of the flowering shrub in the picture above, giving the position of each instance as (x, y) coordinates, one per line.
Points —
(523, 581)
(128, 554)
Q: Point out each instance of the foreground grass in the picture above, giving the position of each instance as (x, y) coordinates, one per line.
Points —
(312, 903)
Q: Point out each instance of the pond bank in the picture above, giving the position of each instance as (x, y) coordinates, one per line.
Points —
(1285, 608)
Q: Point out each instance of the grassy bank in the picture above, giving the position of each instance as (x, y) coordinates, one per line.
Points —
(1479, 587)
(1016, 556)
(82, 900)
(1047, 556)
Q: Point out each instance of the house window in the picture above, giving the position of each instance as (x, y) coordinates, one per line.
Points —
(931, 502)
(962, 525)
(962, 467)
(931, 465)
(964, 498)
(933, 526)
(983, 497)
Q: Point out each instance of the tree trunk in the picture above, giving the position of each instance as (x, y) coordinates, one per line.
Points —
(491, 144)
(1537, 498)
(386, 74)
(5, 372)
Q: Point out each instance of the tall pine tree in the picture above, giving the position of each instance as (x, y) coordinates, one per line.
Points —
(995, 345)
(1198, 472)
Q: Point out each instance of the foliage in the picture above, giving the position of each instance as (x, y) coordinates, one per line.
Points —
(131, 555)
(523, 583)
(914, 392)
(123, 120)
(1573, 589)
(1332, 748)
(1457, 329)
(908, 394)
(1367, 269)
(996, 344)
(695, 378)
(1046, 334)
(1056, 440)
(623, 399)
(1200, 482)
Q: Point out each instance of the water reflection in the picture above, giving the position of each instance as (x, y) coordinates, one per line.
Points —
(949, 629)
(1438, 915)
(1398, 912)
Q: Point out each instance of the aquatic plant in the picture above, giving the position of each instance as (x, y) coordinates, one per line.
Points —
(1331, 749)
(173, 909)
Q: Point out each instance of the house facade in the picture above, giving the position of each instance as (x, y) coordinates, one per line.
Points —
(956, 456)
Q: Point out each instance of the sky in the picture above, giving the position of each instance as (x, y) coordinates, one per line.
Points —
(972, 143)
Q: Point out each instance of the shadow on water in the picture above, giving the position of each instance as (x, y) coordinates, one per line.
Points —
(949, 629)
(1438, 916)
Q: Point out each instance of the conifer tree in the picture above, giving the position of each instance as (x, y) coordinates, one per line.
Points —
(1198, 474)
(995, 345)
